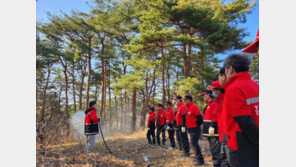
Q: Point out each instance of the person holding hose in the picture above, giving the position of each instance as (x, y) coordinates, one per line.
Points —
(169, 123)
(91, 127)
(181, 124)
(210, 129)
(193, 122)
(160, 123)
(151, 126)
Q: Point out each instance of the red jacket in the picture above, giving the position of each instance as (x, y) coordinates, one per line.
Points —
(240, 118)
(219, 100)
(181, 110)
(191, 118)
(161, 117)
(210, 118)
(91, 115)
(170, 115)
(91, 122)
(151, 118)
(211, 112)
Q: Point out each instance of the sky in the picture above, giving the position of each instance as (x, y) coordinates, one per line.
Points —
(65, 6)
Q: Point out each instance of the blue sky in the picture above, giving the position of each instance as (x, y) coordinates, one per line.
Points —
(56, 6)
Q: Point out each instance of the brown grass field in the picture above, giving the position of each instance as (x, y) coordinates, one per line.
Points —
(125, 153)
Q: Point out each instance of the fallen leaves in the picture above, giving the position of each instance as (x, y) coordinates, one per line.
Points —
(124, 154)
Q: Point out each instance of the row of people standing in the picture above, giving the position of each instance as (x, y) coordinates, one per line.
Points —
(186, 119)
(230, 122)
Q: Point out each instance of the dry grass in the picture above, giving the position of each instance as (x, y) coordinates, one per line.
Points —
(124, 154)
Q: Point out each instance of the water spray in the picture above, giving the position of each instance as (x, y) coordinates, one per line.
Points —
(77, 122)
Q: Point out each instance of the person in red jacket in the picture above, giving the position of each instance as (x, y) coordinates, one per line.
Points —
(193, 122)
(240, 112)
(176, 129)
(169, 123)
(151, 126)
(91, 127)
(160, 124)
(181, 125)
(210, 123)
(219, 91)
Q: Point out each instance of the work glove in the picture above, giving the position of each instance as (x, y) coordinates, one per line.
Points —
(211, 131)
(168, 128)
(183, 129)
(148, 128)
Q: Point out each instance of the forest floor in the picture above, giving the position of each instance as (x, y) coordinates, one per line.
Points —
(125, 153)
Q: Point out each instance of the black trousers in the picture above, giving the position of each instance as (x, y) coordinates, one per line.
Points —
(171, 137)
(223, 155)
(215, 150)
(194, 138)
(160, 129)
(151, 132)
(179, 139)
(184, 141)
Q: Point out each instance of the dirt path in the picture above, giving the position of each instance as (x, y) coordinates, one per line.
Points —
(124, 154)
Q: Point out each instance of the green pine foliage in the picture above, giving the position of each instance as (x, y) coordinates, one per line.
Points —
(158, 48)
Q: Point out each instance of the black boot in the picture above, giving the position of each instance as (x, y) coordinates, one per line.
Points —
(200, 161)
(186, 155)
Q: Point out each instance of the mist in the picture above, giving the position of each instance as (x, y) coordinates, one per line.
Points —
(77, 127)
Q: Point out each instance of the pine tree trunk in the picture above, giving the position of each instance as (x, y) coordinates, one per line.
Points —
(168, 84)
(125, 109)
(163, 79)
(109, 90)
(105, 91)
(185, 61)
(67, 105)
(116, 112)
(96, 92)
(60, 94)
(121, 113)
(153, 83)
(73, 88)
(44, 95)
(143, 112)
(125, 100)
(66, 93)
(83, 69)
(89, 74)
(102, 87)
(201, 64)
(134, 112)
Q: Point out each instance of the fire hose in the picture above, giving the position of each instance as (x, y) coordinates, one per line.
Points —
(140, 148)
(104, 139)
